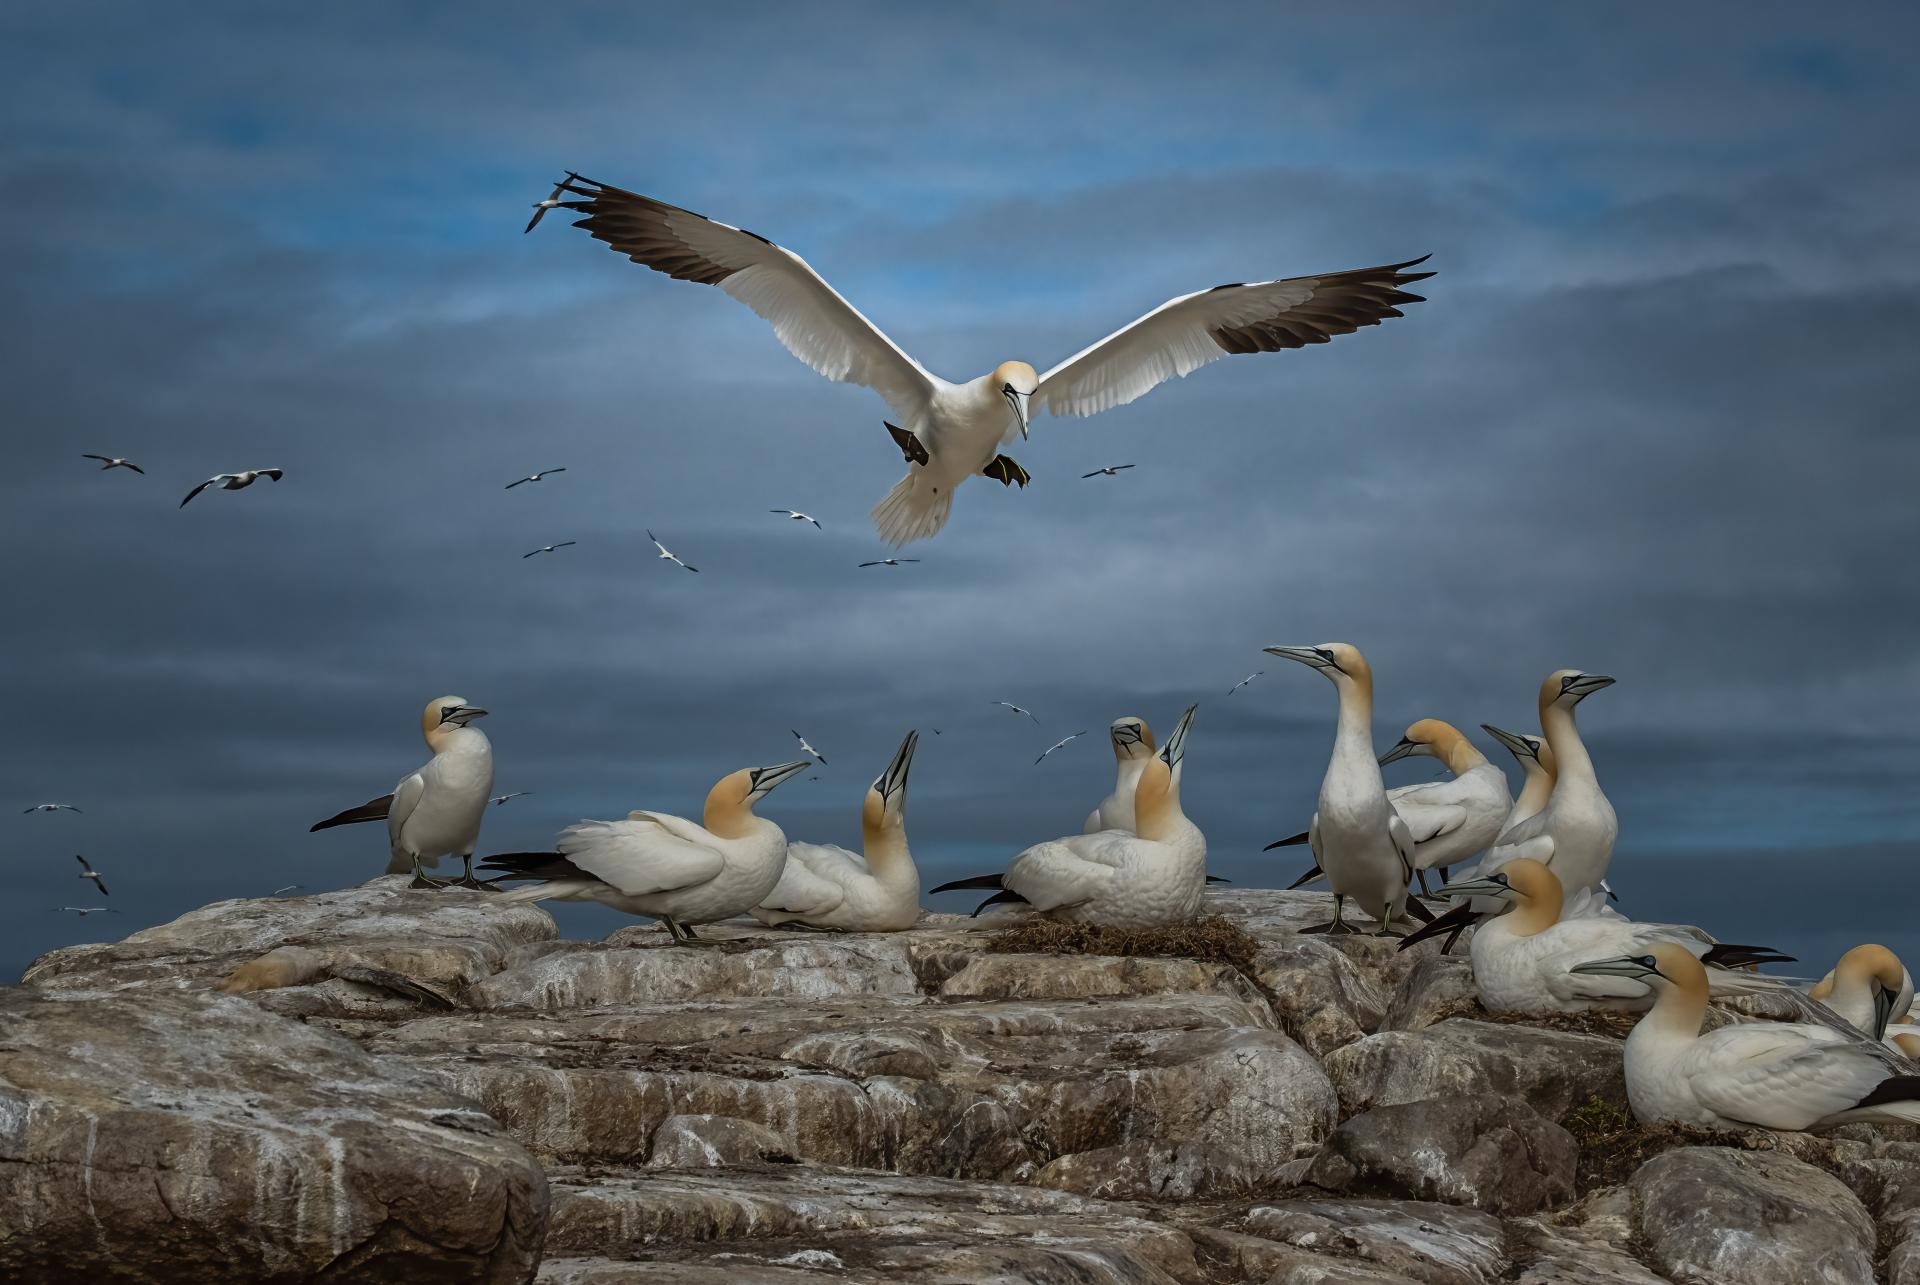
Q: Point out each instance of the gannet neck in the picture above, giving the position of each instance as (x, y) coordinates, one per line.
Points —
(1156, 802)
(1540, 776)
(883, 838)
(1680, 1004)
(1541, 898)
(727, 813)
(1864, 965)
(1571, 761)
(1448, 744)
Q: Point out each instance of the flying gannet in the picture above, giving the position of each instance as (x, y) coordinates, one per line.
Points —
(669, 556)
(549, 548)
(1019, 710)
(49, 807)
(1149, 878)
(1243, 682)
(115, 461)
(552, 202)
(827, 887)
(84, 911)
(663, 866)
(1357, 838)
(535, 477)
(1773, 1075)
(954, 431)
(235, 481)
(888, 562)
(806, 748)
(796, 515)
(1867, 989)
(498, 799)
(1056, 745)
(1573, 834)
(1132, 748)
(1111, 470)
(88, 872)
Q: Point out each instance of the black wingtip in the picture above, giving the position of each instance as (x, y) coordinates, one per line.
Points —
(977, 881)
(1005, 897)
(1217, 879)
(1305, 879)
(1895, 1088)
(1292, 840)
(1730, 955)
(1458, 919)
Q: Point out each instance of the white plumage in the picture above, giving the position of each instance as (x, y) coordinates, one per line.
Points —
(437, 808)
(1573, 834)
(1132, 751)
(826, 886)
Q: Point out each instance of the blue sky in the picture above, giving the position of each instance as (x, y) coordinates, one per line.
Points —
(1655, 420)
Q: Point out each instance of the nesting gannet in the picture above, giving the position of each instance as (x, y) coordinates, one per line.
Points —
(84, 911)
(235, 481)
(49, 807)
(1573, 834)
(664, 866)
(806, 748)
(1243, 682)
(955, 431)
(1111, 470)
(535, 477)
(115, 461)
(795, 515)
(1149, 878)
(888, 562)
(552, 202)
(827, 887)
(1357, 838)
(1521, 959)
(88, 872)
(1019, 710)
(549, 548)
(1057, 744)
(1774, 1075)
(1867, 989)
(668, 556)
(1132, 748)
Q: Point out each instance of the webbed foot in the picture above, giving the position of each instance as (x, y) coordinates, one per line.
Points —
(1004, 470)
(909, 445)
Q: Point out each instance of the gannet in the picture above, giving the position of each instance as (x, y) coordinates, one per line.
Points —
(1111, 470)
(1537, 769)
(1521, 959)
(549, 548)
(806, 748)
(827, 887)
(552, 202)
(1132, 748)
(88, 872)
(1243, 682)
(1573, 835)
(1867, 989)
(84, 911)
(286, 887)
(535, 477)
(1019, 710)
(888, 562)
(115, 461)
(235, 481)
(1363, 846)
(670, 557)
(663, 866)
(1454, 819)
(1146, 879)
(795, 515)
(1056, 745)
(1774, 1075)
(498, 799)
(955, 431)
(49, 807)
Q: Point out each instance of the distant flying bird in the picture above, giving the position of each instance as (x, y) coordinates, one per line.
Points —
(952, 432)
(289, 887)
(553, 201)
(936, 731)
(668, 555)
(498, 799)
(115, 461)
(234, 481)
(808, 748)
(1243, 682)
(1018, 710)
(88, 872)
(888, 562)
(1057, 744)
(49, 807)
(535, 477)
(798, 516)
(549, 548)
(84, 911)
(1109, 471)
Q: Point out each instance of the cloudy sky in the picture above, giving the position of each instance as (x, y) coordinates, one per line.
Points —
(1656, 420)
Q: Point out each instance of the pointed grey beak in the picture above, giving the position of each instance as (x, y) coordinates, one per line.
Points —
(1882, 1010)
(1309, 656)
(1585, 685)
(1488, 887)
(1404, 749)
(1019, 403)
(1176, 747)
(1625, 966)
(892, 785)
(766, 778)
(1516, 744)
(463, 714)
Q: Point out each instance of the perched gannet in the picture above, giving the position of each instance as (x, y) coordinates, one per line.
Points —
(115, 461)
(88, 872)
(806, 748)
(1454, 819)
(1111, 470)
(795, 515)
(1019, 710)
(1573, 834)
(955, 431)
(235, 481)
(535, 477)
(669, 556)
(1056, 745)
(435, 810)
(1132, 749)
(1774, 1075)
(827, 887)
(888, 562)
(1521, 959)
(1149, 878)
(1867, 989)
(664, 866)
(549, 548)
(1537, 769)
(49, 807)
(1357, 838)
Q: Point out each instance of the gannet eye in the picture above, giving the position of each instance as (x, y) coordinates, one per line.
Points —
(1325, 655)
(448, 711)
(1502, 881)
(1646, 961)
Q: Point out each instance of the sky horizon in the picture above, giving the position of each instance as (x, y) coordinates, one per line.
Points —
(1653, 421)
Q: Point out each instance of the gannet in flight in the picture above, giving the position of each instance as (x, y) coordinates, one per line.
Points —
(84, 911)
(664, 553)
(1132, 748)
(1018, 710)
(1573, 835)
(826, 887)
(1867, 989)
(797, 516)
(1521, 958)
(88, 872)
(552, 202)
(1111, 470)
(286, 887)
(1773, 1075)
(664, 866)
(1146, 879)
(549, 548)
(1243, 682)
(498, 799)
(535, 477)
(435, 811)
(115, 461)
(954, 431)
(888, 562)
(1357, 838)
(1056, 745)
(49, 807)
(234, 481)
(806, 748)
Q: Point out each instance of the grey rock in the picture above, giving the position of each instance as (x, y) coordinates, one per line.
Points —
(710, 1141)
(1433, 1244)
(1436, 988)
(1150, 1170)
(1494, 1154)
(1555, 1256)
(1554, 1071)
(1322, 997)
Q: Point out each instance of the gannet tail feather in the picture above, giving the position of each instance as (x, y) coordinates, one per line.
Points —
(911, 511)
(530, 865)
(1895, 1098)
(574, 889)
(1728, 955)
(1217, 879)
(977, 881)
(1006, 896)
(1306, 878)
(1292, 840)
(1461, 917)
(371, 810)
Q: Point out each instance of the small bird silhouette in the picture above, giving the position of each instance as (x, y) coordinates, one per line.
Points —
(798, 516)
(1019, 710)
(808, 748)
(498, 799)
(1243, 682)
(49, 807)
(669, 555)
(1109, 471)
(888, 562)
(1057, 744)
(235, 481)
(88, 872)
(534, 477)
(549, 548)
(115, 461)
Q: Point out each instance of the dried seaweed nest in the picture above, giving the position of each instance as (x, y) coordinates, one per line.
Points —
(1613, 1144)
(1612, 1025)
(1213, 939)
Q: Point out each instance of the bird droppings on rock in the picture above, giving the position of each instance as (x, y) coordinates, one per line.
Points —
(1212, 938)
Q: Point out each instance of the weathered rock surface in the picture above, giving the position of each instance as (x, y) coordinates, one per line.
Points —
(1494, 1154)
(1459, 1058)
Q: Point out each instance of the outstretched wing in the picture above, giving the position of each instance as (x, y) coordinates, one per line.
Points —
(808, 315)
(196, 490)
(639, 855)
(1186, 333)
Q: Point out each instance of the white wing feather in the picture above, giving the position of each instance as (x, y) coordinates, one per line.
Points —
(639, 855)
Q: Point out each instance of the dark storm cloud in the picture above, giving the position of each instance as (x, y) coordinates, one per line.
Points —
(1655, 420)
